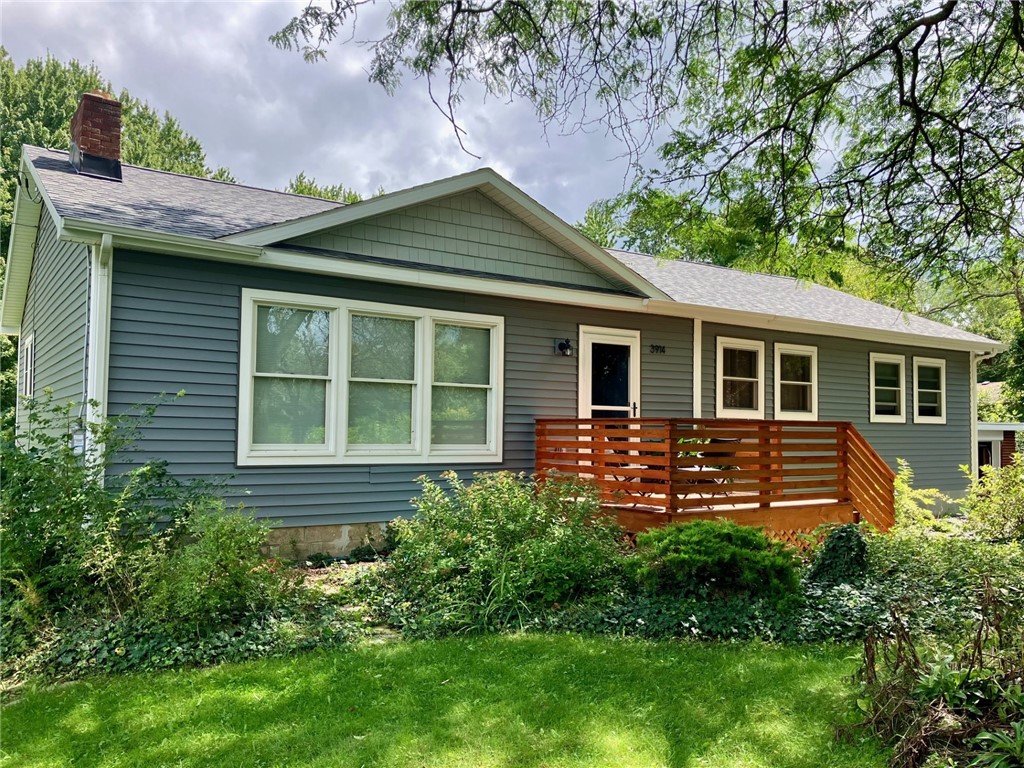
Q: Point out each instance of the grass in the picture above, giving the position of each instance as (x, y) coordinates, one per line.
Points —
(549, 701)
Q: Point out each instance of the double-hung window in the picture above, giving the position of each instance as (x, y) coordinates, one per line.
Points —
(332, 381)
(796, 382)
(929, 391)
(739, 379)
(887, 388)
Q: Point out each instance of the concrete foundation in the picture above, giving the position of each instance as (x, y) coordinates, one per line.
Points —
(336, 540)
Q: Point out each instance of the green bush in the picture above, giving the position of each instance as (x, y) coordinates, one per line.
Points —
(493, 554)
(842, 558)
(217, 574)
(719, 558)
(994, 504)
(915, 507)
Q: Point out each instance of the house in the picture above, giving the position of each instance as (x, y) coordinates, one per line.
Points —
(997, 443)
(331, 353)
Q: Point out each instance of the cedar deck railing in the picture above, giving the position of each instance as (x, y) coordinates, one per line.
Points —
(788, 476)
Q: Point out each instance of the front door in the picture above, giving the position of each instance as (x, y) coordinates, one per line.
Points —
(609, 373)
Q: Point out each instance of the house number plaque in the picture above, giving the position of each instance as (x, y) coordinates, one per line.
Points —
(657, 349)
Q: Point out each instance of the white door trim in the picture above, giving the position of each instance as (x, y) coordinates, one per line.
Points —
(625, 336)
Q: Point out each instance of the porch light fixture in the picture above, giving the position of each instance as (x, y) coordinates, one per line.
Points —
(563, 347)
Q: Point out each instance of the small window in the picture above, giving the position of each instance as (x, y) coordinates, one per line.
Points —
(740, 379)
(796, 382)
(887, 388)
(929, 391)
(27, 367)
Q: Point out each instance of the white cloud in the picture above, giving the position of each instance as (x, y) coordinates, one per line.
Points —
(266, 114)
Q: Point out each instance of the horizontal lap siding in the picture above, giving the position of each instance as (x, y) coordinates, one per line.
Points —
(934, 451)
(174, 326)
(56, 309)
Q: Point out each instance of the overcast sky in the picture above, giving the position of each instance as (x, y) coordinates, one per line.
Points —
(266, 114)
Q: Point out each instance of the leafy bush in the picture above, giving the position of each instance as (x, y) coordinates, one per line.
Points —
(216, 575)
(915, 507)
(842, 558)
(720, 558)
(493, 554)
(994, 504)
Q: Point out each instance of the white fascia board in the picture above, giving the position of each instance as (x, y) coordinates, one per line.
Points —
(91, 233)
(817, 327)
(21, 247)
(491, 184)
(326, 265)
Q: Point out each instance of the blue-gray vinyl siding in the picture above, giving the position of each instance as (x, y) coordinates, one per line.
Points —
(56, 310)
(934, 451)
(468, 231)
(175, 326)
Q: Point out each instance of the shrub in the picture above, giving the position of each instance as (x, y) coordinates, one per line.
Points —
(493, 554)
(720, 558)
(994, 504)
(915, 507)
(842, 558)
(217, 575)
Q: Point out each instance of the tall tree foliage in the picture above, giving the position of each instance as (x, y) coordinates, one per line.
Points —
(898, 126)
(307, 185)
(37, 102)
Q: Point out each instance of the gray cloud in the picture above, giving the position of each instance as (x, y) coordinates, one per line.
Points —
(266, 114)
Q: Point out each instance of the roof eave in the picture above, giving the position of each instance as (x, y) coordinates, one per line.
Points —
(820, 328)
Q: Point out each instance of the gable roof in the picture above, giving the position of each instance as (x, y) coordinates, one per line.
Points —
(710, 286)
(165, 202)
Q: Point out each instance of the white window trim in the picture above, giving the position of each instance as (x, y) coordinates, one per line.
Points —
(335, 450)
(804, 351)
(931, 362)
(721, 412)
(901, 417)
(27, 366)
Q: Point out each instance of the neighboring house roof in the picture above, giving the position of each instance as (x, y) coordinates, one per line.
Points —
(708, 285)
(166, 202)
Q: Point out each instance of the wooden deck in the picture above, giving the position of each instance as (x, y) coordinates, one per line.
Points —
(785, 476)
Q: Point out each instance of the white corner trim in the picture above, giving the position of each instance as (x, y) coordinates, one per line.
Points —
(698, 358)
(721, 412)
(901, 360)
(796, 350)
(98, 331)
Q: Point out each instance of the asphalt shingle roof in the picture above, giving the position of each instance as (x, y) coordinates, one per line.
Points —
(166, 202)
(712, 286)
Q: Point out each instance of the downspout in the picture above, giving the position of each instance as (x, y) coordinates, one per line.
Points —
(976, 357)
(98, 344)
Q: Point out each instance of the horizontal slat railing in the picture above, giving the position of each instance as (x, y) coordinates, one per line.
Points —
(682, 467)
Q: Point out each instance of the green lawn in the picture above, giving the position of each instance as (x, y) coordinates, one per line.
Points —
(495, 701)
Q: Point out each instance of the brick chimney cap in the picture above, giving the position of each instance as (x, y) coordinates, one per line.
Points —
(100, 96)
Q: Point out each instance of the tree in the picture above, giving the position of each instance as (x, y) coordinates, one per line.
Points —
(306, 185)
(37, 103)
(898, 127)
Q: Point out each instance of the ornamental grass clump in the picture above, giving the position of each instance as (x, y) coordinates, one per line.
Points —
(496, 554)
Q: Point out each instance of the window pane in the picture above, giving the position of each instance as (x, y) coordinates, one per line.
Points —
(887, 402)
(796, 397)
(462, 355)
(458, 416)
(379, 414)
(740, 394)
(741, 363)
(887, 375)
(929, 377)
(383, 348)
(795, 367)
(289, 411)
(609, 374)
(290, 340)
(929, 404)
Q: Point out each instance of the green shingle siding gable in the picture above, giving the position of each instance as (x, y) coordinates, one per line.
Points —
(467, 231)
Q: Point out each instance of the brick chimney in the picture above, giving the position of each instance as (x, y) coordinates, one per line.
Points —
(96, 136)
